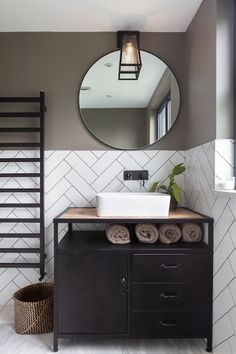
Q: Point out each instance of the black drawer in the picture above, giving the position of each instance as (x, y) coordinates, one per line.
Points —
(171, 297)
(171, 268)
(170, 324)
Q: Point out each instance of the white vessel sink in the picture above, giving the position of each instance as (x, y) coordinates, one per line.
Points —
(133, 204)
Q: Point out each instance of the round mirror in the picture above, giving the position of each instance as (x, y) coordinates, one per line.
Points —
(129, 114)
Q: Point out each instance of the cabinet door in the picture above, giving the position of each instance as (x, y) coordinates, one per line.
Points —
(92, 293)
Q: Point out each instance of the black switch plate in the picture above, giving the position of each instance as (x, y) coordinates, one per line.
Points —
(136, 175)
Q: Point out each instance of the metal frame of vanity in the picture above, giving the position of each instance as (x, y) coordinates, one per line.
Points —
(144, 279)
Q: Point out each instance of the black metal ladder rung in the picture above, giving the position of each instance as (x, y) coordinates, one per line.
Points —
(19, 250)
(19, 130)
(19, 99)
(19, 114)
(19, 159)
(19, 265)
(19, 174)
(19, 190)
(17, 235)
(19, 205)
(20, 220)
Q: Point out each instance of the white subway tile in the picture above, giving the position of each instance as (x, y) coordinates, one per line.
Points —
(232, 260)
(222, 278)
(222, 330)
(222, 252)
(222, 304)
(232, 316)
(222, 225)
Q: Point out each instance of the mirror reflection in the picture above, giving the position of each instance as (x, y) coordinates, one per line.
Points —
(129, 114)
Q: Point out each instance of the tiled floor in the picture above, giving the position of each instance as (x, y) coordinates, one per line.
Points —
(11, 343)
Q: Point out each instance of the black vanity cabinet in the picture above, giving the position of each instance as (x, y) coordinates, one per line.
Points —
(135, 290)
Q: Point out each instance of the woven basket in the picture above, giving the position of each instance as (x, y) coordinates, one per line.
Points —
(34, 309)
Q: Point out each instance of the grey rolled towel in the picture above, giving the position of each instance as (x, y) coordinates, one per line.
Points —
(169, 233)
(117, 234)
(146, 233)
(191, 232)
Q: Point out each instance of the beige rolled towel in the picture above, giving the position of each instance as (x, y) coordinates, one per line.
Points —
(146, 233)
(191, 232)
(169, 233)
(117, 234)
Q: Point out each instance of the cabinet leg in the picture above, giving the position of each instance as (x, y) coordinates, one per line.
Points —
(209, 345)
(55, 343)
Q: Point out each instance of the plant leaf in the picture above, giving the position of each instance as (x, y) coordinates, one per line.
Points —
(178, 169)
(153, 187)
(176, 192)
(163, 187)
(171, 177)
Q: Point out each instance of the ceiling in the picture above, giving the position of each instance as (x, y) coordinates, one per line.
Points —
(97, 15)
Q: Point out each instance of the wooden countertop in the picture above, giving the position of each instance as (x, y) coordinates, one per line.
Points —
(90, 215)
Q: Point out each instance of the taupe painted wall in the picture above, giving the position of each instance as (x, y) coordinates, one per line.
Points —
(120, 127)
(200, 76)
(57, 62)
(209, 73)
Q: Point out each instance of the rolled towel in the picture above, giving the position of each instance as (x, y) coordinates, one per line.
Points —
(191, 232)
(169, 233)
(146, 233)
(117, 234)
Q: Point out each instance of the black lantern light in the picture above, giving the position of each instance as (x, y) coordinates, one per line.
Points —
(130, 59)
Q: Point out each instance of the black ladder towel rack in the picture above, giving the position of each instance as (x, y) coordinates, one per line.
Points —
(40, 114)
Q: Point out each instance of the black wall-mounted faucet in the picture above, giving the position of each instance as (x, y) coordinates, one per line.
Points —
(136, 175)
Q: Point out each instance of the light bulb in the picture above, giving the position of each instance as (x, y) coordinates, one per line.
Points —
(129, 53)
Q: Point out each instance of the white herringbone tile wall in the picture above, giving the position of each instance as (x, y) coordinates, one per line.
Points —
(72, 178)
(204, 163)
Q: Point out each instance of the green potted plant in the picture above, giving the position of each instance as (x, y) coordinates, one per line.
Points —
(171, 188)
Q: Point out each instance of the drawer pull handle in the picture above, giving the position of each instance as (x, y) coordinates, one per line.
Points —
(122, 280)
(169, 266)
(170, 295)
(167, 323)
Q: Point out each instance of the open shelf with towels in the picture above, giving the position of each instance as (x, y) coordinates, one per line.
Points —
(82, 241)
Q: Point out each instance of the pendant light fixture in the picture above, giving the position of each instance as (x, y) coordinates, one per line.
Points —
(130, 59)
